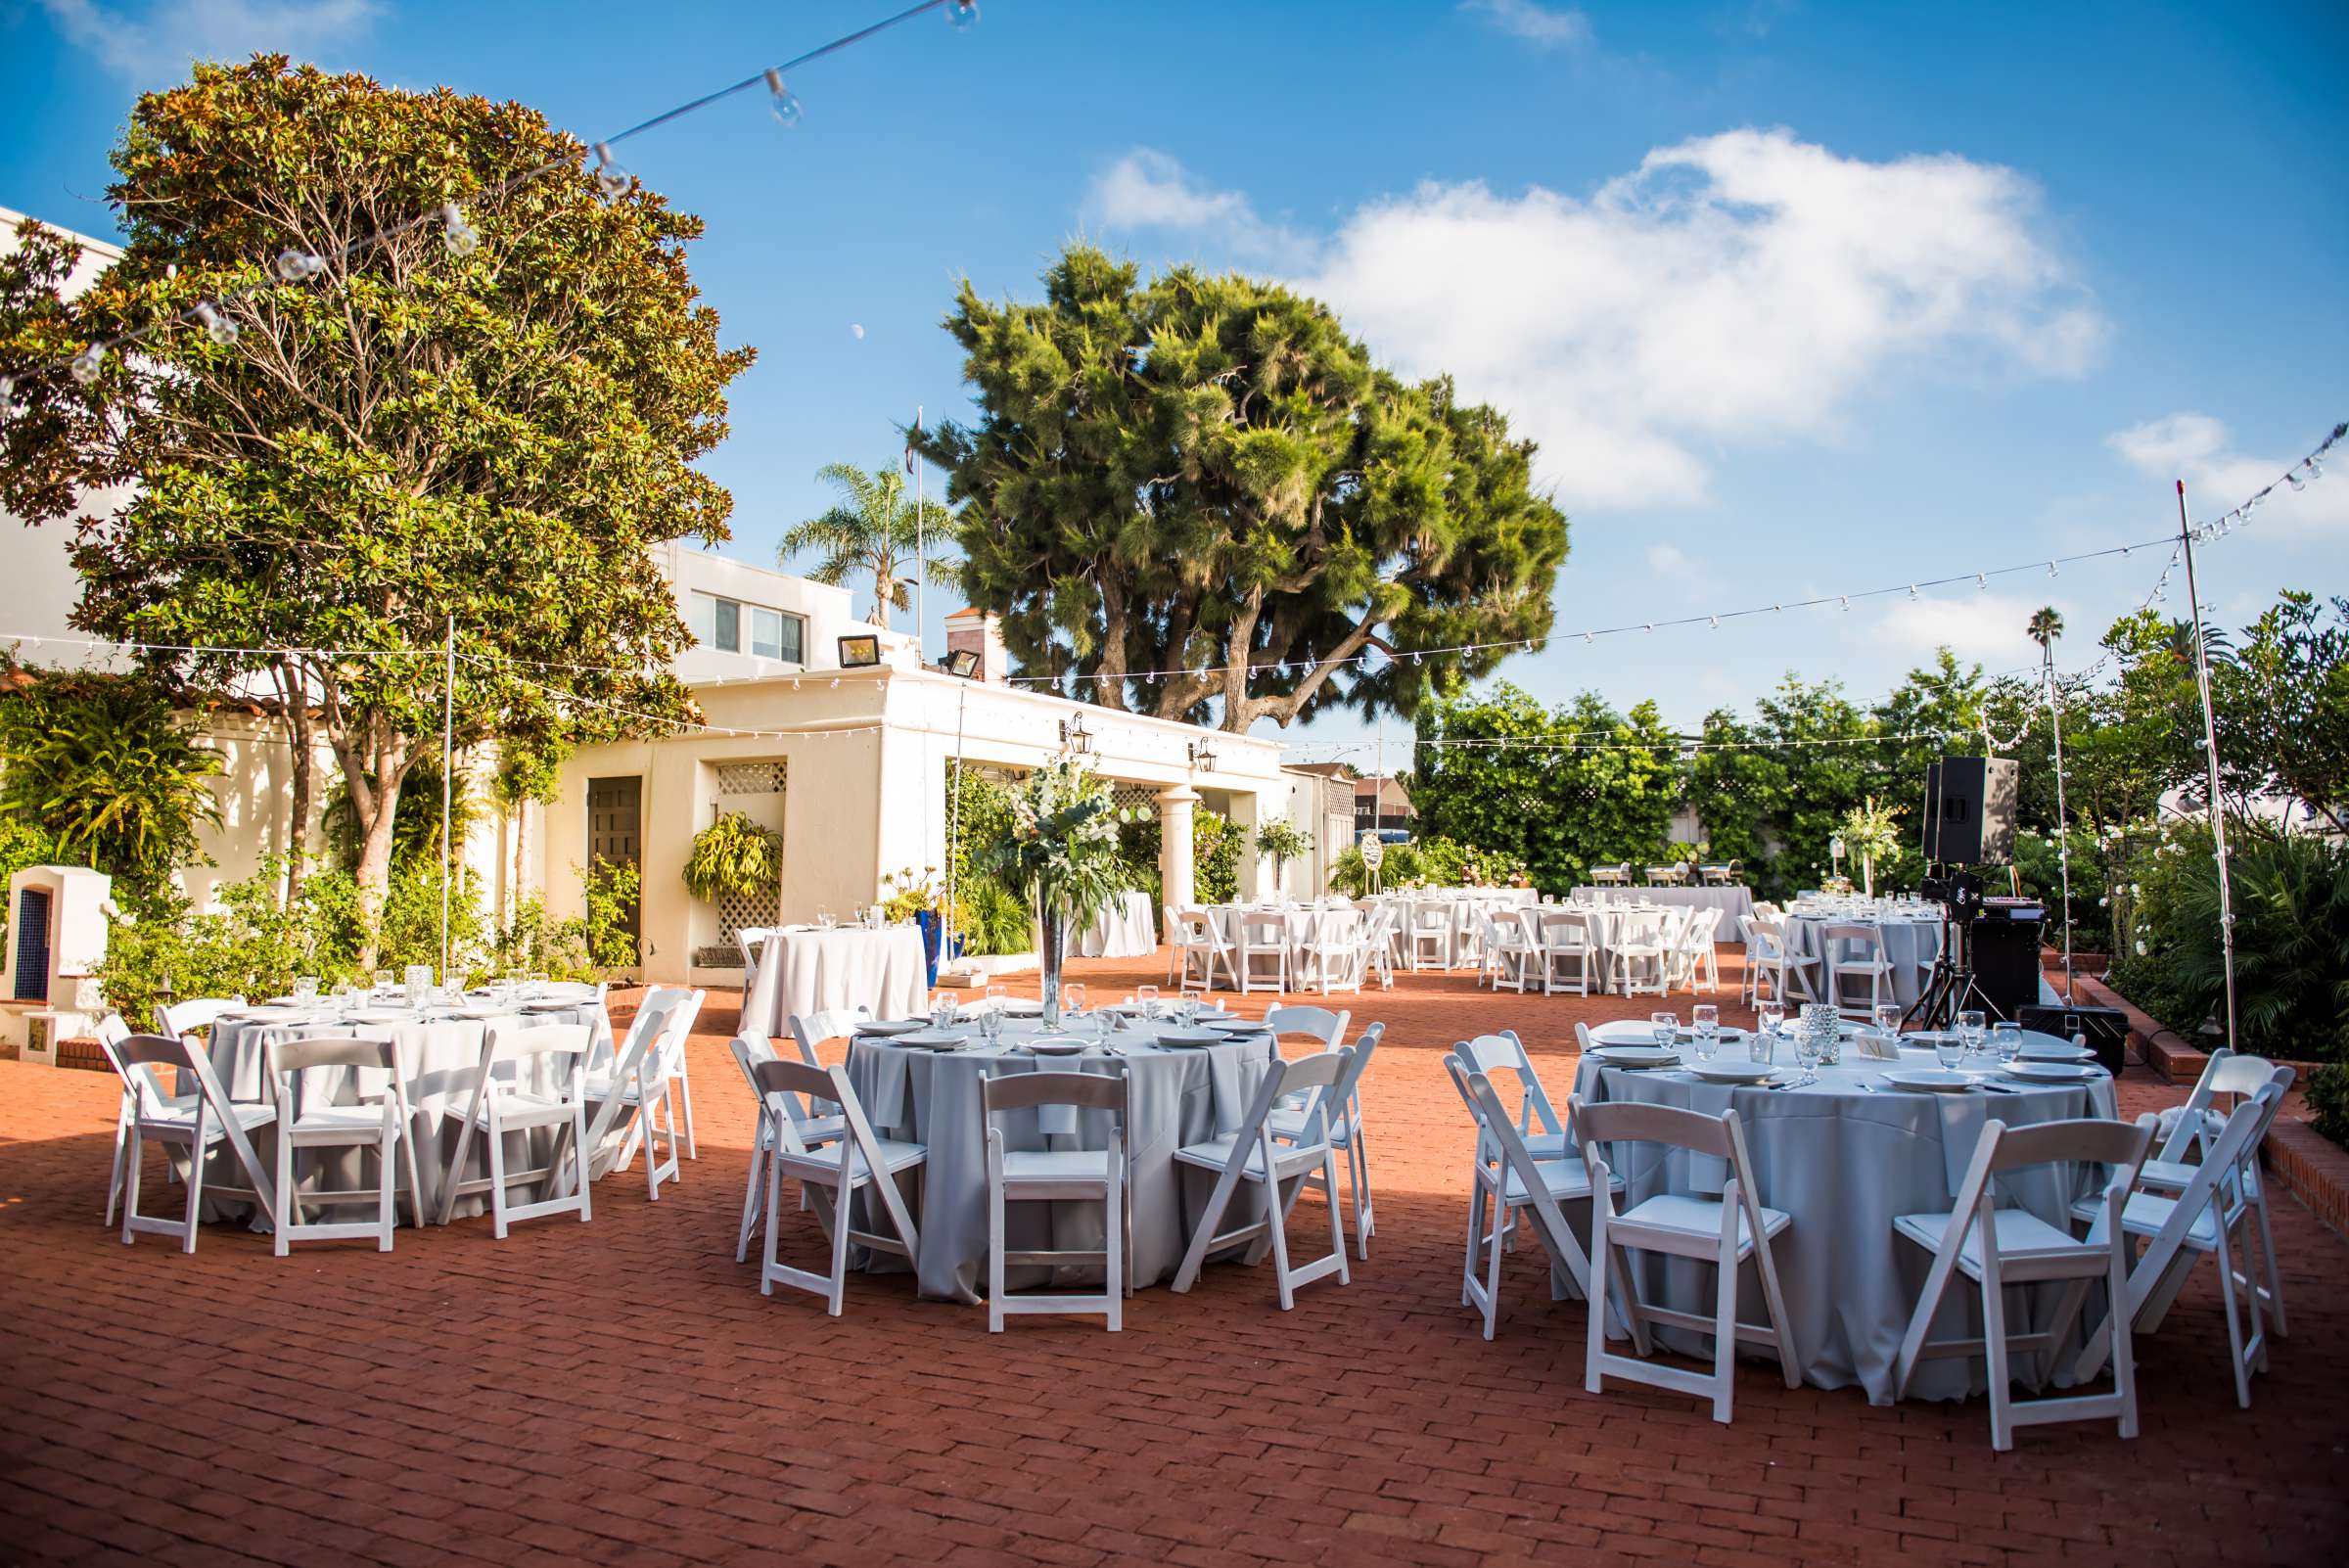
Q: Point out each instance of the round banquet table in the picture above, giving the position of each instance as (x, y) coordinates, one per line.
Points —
(1911, 944)
(1124, 929)
(439, 1054)
(1844, 1161)
(804, 969)
(1178, 1095)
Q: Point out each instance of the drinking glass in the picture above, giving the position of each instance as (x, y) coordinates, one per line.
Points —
(1763, 1047)
(1148, 996)
(386, 983)
(1667, 1027)
(824, 918)
(1072, 997)
(946, 1010)
(1888, 1019)
(306, 992)
(991, 1023)
(1706, 1019)
(1949, 1050)
(1805, 1054)
(1971, 1029)
(996, 996)
(2007, 1039)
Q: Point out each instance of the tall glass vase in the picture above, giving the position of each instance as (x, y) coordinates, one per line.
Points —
(1051, 946)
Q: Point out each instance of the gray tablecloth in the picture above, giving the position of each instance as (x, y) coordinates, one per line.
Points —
(802, 970)
(1179, 1096)
(439, 1056)
(1845, 1162)
(1734, 904)
(1910, 945)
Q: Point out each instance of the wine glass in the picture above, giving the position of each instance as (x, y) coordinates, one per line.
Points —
(1949, 1050)
(2007, 1041)
(1667, 1028)
(1072, 997)
(1147, 998)
(1888, 1019)
(946, 1010)
(306, 990)
(1972, 1029)
(386, 983)
(1807, 1049)
(825, 920)
(1706, 1020)
(990, 1024)
(1767, 1019)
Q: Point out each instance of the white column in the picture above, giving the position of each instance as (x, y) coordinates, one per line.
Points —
(1175, 804)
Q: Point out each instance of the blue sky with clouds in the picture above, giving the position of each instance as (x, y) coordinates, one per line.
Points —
(1798, 298)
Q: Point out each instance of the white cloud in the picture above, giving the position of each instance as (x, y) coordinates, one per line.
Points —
(153, 44)
(1984, 628)
(1741, 287)
(1679, 569)
(1148, 190)
(1550, 26)
(2198, 450)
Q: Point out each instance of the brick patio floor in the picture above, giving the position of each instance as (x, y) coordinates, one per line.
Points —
(619, 1393)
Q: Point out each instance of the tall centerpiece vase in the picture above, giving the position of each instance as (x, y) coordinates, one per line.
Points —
(1051, 946)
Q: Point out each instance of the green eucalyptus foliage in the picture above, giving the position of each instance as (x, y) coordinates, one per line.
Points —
(1059, 851)
(501, 438)
(733, 855)
(1203, 473)
(107, 772)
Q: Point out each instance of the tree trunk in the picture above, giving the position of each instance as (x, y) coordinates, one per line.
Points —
(373, 804)
(292, 692)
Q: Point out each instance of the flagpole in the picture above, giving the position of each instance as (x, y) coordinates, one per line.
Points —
(2210, 757)
(921, 565)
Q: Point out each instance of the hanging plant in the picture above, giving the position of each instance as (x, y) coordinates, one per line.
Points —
(733, 855)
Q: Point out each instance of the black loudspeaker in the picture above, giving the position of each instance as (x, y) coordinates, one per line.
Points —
(2106, 1029)
(1970, 810)
(2005, 958)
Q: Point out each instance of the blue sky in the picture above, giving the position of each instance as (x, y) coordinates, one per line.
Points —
(1799, 299)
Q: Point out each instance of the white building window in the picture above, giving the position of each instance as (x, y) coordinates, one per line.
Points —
(731, 626)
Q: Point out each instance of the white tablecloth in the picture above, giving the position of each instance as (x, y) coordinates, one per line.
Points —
(802, 970)
(439, 1054)
(1125, 928)
(1910, 945)
(1844, 1161)
(1178, 1096)
(1734, 904)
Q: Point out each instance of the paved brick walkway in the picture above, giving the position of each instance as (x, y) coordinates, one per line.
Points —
(619, 1393)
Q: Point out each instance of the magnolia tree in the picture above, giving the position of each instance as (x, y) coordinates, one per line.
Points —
(1197, 497)
(489, 418)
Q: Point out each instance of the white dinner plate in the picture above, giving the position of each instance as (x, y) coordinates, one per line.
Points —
(1057, 1048)
(381, 1015)
(2051, 1072)
(2054, 1052)
(1191, 1038)
(1931, 1079)
(932, 1040)
(1239, 1026)
(902, 1025)
(1637, 1056)
(1731, 1072)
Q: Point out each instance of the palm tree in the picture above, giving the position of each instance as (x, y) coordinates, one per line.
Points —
(2046, 626)
(875, 529)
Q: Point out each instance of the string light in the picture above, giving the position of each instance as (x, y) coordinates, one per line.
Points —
(297, 265)
(962, 14)
(2050, 569)
(610, 178)
(460, 238)
(88, 363)
(782, 102)
(218, 327)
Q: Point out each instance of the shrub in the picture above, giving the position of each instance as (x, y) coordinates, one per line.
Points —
(250, 947)
(733, 855)
(2329, 1098)
(1215, 856)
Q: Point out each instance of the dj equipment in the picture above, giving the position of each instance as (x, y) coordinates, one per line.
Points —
(1970, 810)
(2106, 1029)
(2006, 954)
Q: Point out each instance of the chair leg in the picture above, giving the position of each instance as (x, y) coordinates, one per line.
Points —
(114, 1178)
(1476, 1223)
(1594, 1340)
(1337, 1221)
(195, 1201)
(497, 1178)
(1503, 1217)
(683, 1089)
(281, 1216)
(1993, 1355)
(1724, 1323)
(134, 1156)
(1113, 1220)
(844, 1200)
(994, 1242)
(752, 1190)
(1275, 1219)
(2268, 1265)
(387, 1182)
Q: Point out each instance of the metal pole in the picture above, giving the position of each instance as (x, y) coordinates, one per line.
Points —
(921, 565)
(448, 769)
(2063, 837)
(954, 820)
(2210, 755)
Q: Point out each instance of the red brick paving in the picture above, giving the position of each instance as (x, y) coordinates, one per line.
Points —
(619, 1393)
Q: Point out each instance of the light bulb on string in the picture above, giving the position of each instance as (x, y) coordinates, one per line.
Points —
(1714, 621)
(1981, 581)
(8, 399)
(2050, 569)
(782, 102)
(2292, 478)
(1911, 590)
(88, 363)
(610, 178)
(218, 327)
(460, 238)
(298, 267)
(962, 14)
(1847, 601)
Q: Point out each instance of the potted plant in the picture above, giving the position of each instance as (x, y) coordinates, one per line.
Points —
(908, 895)
(1284, 843)
(734, 855)
(1059, 852)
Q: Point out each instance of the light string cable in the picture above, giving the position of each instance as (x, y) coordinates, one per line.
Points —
(298, 265)
(504, 667)
(2297, 477)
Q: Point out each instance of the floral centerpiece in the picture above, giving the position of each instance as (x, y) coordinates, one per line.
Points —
(1059, 851)
(915, 897)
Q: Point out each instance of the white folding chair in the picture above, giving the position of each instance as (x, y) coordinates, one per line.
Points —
(378, 1121)
(1429, 935)
(1324, 1027)
(1507, 952)
(555, 1102)
(643, 1087)
(1378, 945)
(1198, 941)
(1995, 1247)
(1855, 952)
(1723, 1232)
(1337, 952)
(208, 1117)
(1291, 1122)
(750, 941)
(180, 1020)
(2190, 1128)
(1253, 1155)
(1638, 953)
(1696, 955)
(1566, 936)
(1264, 937)
(1506, 1177)
(2204, 1217)
(1538, 1126)
(1055, 1175)
(1788, 973)
(832, 1178)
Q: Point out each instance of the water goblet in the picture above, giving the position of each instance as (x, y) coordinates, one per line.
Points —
(1705, 1018)
(1667, 1027)
(386, 983)
(1763, 1047)
(306, 992)
(825, 920)
(1972, 1029)
(945, 1010)
(990, 1025)
(1148, 996)
(1949, 1050)
(1888, 1019)
(1806, 1050)
(1072, 997)
(2007, 1041)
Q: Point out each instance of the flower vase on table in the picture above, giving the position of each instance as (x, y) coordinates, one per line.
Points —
(1823, 1025)
(1060, 851)
(1051, 948)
